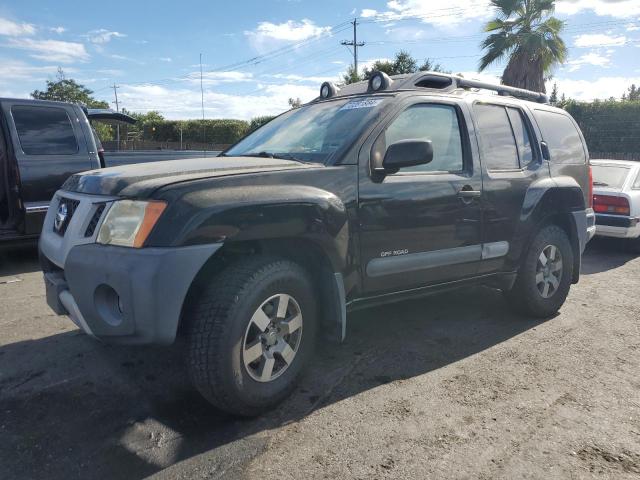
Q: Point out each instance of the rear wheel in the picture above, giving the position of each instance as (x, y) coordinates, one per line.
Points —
(544, 279)
(251, 333)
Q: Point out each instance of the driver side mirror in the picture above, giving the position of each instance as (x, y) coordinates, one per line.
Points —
(407, 153)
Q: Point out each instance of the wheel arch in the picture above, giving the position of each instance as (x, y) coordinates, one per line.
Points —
(552, 202)
(311, 256)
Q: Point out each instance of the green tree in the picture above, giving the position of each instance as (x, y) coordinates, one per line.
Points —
(403, 63)
(385, 66)
(152, 116)
(526, 32)
(295, 102)
(632, 94)
(430, 66)
(65, 89)
(553, 98)
(351, 76)
(257, 122)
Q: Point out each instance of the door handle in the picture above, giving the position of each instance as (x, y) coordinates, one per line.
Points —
(466, 192)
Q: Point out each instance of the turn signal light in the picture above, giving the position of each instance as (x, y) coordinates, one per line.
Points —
(611, 205)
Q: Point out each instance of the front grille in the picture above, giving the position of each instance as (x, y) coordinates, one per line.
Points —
(91, 228)
(66, 208)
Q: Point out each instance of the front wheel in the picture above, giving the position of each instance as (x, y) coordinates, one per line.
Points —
(251, 333)
(544, 278)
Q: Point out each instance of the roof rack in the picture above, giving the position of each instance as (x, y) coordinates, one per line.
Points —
(443, 81)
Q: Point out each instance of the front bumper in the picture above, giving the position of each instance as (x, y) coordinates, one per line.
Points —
(125, 295)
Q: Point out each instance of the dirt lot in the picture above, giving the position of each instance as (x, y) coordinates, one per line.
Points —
(447, 387)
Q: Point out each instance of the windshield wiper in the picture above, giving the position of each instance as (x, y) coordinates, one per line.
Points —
(600, 184)
(259, 154)
(279, 156)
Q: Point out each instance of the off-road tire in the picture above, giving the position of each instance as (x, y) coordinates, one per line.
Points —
(218, 320)
(525, 297)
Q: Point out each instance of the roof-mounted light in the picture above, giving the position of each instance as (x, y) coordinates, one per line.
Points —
(379, 81)
(328, 90)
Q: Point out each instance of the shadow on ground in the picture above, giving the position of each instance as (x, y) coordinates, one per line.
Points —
(19, 259)
(74, 408)
(603, 254)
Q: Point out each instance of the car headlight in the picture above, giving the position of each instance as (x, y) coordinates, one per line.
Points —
(129, 222)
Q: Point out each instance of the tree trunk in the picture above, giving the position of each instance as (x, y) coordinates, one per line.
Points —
(524, 72)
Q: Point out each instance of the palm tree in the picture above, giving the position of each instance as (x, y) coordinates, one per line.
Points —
(529, 35)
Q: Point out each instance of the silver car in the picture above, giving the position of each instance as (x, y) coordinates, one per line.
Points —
(616, 199)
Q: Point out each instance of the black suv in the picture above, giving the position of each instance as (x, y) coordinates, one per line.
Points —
(374, 193)
(42, 143)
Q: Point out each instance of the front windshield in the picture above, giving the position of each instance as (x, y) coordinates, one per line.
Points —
(311, 133)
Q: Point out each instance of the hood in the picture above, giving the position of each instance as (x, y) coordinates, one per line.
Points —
(141, 179)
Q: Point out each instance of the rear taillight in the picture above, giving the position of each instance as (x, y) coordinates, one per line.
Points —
(590, 187)
(611, 205)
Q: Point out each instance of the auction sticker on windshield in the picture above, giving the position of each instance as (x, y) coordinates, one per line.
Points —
(365, 103)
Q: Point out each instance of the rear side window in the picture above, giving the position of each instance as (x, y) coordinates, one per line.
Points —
(562, 137)
(497, 142)
(521, 132)
(44, 130)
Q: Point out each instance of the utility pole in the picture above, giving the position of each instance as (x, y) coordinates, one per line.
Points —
(355, 44)
(115, 92)
(204, 137)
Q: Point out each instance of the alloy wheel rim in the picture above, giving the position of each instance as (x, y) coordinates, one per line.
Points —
(549, 271)
(272, 338)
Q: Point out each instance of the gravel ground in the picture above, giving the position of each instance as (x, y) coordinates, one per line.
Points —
(453, 386)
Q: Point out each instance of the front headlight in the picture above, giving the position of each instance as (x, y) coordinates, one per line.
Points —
(129, 222)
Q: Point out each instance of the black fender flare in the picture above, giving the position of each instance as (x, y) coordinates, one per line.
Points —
(268, 212)
(546, 199)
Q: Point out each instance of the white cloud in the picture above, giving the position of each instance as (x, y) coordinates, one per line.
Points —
(58, 30)
(102, 36)
(613, 8)
(599, 40)
(306, 79)
(591, 58)
(112, 72)
(368, 13)
(441, 13)
(587, 90)
(215, 78)
(17, 70)
(166, 59)
(13, 29)
(184, 103)
(632, 27)
(289, 31)
(51, 50)
(404, 34)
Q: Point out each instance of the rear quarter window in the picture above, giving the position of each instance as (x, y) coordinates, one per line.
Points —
(44, 130)
(562, 137)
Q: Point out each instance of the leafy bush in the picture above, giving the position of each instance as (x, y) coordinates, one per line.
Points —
(257, 122)
(608, 126)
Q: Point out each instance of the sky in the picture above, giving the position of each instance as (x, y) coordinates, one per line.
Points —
(257, 54)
